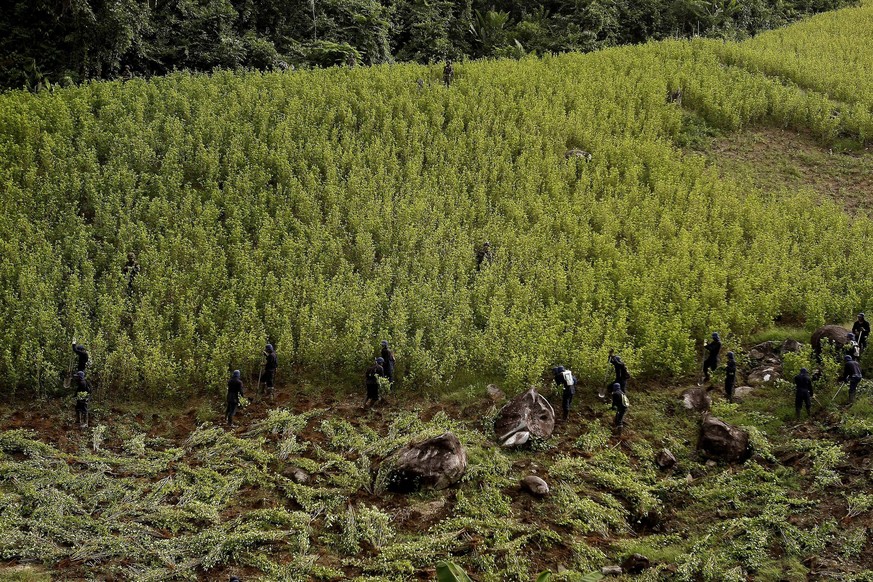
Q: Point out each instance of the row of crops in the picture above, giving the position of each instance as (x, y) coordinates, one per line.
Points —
(323, 211)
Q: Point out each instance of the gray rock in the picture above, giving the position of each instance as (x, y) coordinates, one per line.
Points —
(761, 351)
(723, 441)
(299, 476)
(790, 345)
(741, 392)
(611, 570)
(635, 563)
(665, 459)
(535, 485)
(579, 154)
(495, 393)
(696, 399)
(763, 375)
(834, 334)
(435, 463)
(528, 414)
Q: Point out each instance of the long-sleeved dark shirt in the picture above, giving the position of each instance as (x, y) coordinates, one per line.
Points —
(731, 369)
(388, 356)
(617, 400)
(861, 329)
(851, 370)
(82, 354)
(272, 362)
(621, 372)
(371, 377)
(803, 384)
(81, 385)
(234, 389)
(713, 348)
(560, 380)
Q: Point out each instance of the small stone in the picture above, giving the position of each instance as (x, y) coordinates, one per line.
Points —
(710, 463)
(665, 459)
(535, 485)
(299, 476)
(611, 570)
(696, 399)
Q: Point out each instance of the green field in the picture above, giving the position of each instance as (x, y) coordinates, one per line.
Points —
(323, 211)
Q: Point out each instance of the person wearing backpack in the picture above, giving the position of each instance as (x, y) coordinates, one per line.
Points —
(861, 329)
(567, 380)
(83, 395)
(621, 373)
(852, 348)
(620, 403)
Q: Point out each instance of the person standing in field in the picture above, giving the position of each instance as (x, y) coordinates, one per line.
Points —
(802, 393)
(388, 361)
(234, 393)
(81, 357)
(130, 271)
(710, 363)
(371, 381)
(861, 329)
(483, 254)
(270, 366)
(730, 377)
(448, 73)
(83, 394)
(851, 375)
(619, 404)
(567, 380)
(621, 373)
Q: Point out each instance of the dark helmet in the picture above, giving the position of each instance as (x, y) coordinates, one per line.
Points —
(558, 369)
(861, 315)
(380, 360)
(617, 359)
(730, 355)
(850, 336)
(384, 343)
(804, 372)
(715, 335)
(847, 357)
(486, 244)
(236, 374)
(80, 374)
(269, 348)
(616, 387)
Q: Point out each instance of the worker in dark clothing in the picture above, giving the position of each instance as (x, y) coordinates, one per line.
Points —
(621, 373)
(730, 377)
(568, 381)
(371, 381)
(483, 254)
(387, 361)
(852, 348)
(270, 365)
(851, 375)
(83, 394)
(131, 270)
(711, 361)
(234, 393)
(448, 73)
(861, 329)
(802, 392)
(81, 357)
(620, 404)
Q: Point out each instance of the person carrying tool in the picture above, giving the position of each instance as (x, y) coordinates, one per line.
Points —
(802, 393)
(81, 356)
(851, 375)
(620, 404)
(621, 373)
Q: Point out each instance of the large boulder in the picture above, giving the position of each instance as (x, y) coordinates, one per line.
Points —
(696, 399)
(635, 563)
(435, 463)
(723, 441)
(528, 414)
(835, 334)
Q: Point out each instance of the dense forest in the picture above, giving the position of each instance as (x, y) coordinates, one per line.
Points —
(49, 42)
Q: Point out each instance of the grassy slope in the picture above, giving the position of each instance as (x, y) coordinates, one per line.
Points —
(162, 498)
